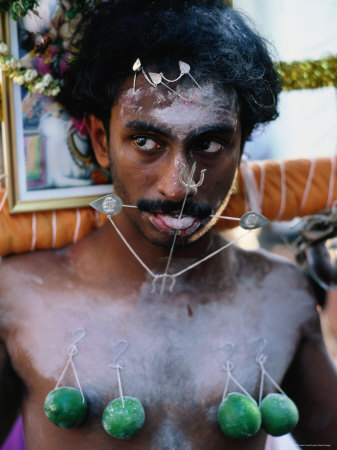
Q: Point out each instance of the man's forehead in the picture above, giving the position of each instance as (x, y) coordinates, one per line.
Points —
(208, 104)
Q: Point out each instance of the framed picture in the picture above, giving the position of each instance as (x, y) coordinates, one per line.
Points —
(48, 159)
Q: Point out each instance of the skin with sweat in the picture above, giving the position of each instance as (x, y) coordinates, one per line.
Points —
(177, 341)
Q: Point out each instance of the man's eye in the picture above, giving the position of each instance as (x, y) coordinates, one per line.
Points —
(210, 146)
(145, 143)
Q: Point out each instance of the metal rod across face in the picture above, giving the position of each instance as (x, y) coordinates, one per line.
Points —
(187, 186)
(249, 221)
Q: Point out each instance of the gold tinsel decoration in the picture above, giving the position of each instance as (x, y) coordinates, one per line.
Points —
(308, 74)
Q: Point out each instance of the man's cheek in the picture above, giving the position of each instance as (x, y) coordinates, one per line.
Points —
(215, 191)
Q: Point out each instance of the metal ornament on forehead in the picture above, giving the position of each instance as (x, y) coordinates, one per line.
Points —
(111, 205)
(155, 79)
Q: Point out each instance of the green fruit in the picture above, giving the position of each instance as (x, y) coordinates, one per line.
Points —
(123, 422)
(65, 407)
(239, 416)
(279, 414)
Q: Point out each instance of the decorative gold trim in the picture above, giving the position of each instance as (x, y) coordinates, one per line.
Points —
(1, 103)
(221, 208)
(236, 186)
(7, 127)
(45, 205)
(308, 74)
(1, 85)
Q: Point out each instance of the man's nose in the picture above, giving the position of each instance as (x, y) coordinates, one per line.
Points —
(169, 185)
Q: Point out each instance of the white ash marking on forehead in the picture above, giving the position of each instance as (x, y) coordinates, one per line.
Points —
(203, 106)
(180, 113)
(131, 96)
(131, 108)
(206, 106)
(209, 95)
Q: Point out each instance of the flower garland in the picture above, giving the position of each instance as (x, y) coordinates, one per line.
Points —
(29, 78)
(50, 55)
(19, 8)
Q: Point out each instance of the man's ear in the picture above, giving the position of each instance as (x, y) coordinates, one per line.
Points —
(98, 139)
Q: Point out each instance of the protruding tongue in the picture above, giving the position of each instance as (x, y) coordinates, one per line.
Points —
(175, 223)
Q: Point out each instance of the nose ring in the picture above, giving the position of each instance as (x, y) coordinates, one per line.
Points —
(190, 184)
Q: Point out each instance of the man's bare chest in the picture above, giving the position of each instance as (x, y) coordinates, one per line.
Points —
(178, 349)
(174, 361)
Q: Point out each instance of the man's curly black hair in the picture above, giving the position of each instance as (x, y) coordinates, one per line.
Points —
(213, 39)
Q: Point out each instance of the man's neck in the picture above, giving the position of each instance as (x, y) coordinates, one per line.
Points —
(104, 254)
(155, 255)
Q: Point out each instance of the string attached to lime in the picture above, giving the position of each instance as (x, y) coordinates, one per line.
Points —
(66, 406)
(123, 417)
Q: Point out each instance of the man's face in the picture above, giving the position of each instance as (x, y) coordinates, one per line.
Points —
(153, 134)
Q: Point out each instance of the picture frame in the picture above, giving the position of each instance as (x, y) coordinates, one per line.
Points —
(48, 161)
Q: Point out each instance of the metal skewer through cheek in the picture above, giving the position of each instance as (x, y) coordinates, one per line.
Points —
(111, 205)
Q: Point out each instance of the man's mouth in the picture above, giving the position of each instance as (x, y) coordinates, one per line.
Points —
(170, 224)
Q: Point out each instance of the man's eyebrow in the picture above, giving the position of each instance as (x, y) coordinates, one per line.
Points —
(146, 126)
(223, 128)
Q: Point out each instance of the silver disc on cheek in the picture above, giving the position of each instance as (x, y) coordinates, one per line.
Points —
(252, 220)
(110, 204)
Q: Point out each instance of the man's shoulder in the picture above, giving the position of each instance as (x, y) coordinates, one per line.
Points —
(29, 263)
(28, 276)
(271, 265)
(278, 280)
(20, 273)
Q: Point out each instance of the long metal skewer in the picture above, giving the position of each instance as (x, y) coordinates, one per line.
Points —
(187, 187)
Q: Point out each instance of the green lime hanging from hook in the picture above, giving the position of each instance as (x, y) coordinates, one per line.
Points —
(123, 417)
(65, 407)
(279, 414)
(239, 416)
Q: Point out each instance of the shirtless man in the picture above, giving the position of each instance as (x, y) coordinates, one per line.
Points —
(177, 341)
